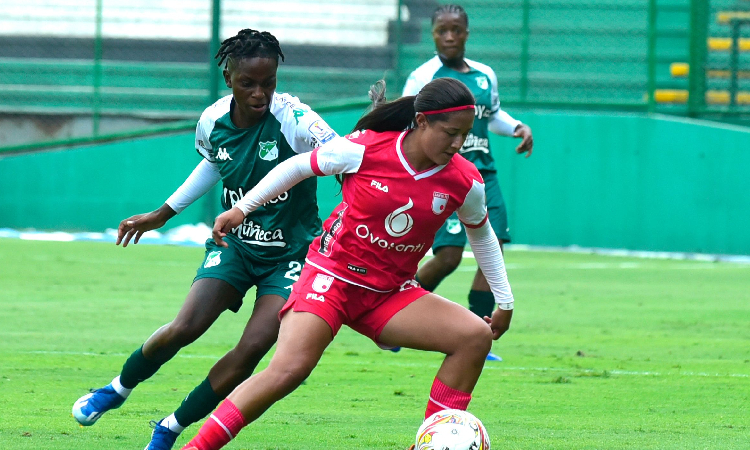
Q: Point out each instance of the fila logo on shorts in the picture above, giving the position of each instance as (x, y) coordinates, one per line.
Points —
(223, 154)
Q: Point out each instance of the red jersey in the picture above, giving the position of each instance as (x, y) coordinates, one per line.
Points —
(389, 213)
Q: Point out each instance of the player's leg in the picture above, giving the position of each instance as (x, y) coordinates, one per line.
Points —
(207, 299)
(209, 296)
(232, 369)
(448, 249)
(464, 338)
(302, 339)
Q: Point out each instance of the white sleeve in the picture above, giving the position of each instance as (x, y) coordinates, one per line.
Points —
(201, 180)
(487, 252)
(484, 243)
(473, 211)
(303, 128)
(202, 144)
(502, 123)
(412, 86)
(280, 179)
(337, 156)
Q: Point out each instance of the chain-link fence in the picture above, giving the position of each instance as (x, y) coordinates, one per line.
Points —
(72, 69)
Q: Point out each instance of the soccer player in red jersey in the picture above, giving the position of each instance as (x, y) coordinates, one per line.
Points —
(402, 178)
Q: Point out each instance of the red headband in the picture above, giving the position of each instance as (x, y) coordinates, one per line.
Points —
(447, 110)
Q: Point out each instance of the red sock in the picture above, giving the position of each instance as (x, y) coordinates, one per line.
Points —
(444, 397)
(220, 428)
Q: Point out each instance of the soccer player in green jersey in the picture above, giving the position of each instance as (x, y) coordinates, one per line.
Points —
(241, 138)
(450, 30)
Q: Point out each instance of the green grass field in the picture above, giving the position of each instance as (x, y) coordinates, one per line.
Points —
(604, 353)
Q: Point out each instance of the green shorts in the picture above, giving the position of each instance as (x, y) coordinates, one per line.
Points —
(452, 233)
(235, 266)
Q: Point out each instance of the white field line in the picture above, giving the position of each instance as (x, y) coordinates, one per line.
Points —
(405, 364)
(195, 235)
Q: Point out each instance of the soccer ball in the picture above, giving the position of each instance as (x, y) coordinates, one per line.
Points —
(452, 429)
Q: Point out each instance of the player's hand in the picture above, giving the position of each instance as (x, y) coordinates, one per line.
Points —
(135, 226)
(527, 144)
(224, 224)
(500, 322)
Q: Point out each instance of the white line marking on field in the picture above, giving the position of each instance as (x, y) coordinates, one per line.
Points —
(486, 367)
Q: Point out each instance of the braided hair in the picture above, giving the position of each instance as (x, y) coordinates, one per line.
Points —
(451, 9)
(248, 44)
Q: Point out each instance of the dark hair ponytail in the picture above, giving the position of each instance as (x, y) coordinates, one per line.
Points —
(399, 114)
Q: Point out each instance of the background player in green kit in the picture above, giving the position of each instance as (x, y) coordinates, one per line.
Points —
(450, 30)
(241, 138)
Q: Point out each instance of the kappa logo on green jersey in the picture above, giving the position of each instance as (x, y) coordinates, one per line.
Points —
(268, 151)
(213, 259)
(299, 112)
(482, 82)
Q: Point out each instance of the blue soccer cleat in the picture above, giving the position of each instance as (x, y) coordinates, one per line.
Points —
(493, 357)
(162, 438)
(89, 408)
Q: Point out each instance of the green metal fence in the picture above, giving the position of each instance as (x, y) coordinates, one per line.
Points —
(684, 57)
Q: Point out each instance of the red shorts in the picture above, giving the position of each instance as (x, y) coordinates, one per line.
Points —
(338, 302)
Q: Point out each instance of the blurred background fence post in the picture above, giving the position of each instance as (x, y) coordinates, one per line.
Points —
(698, 45)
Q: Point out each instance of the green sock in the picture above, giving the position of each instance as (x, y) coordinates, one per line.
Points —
(198, 404)
(136, 369)
(425, 286)
(481, 303)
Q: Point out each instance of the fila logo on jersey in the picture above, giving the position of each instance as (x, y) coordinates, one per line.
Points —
(223, 154)
(268, 151)
(213, 259)
(381, 187)
(439, 202)
(398, 223)
(322, 283)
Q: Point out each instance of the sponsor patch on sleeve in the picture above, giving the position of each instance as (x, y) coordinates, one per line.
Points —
(321, 131)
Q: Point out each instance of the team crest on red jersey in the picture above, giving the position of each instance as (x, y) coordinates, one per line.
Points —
(439, 202)
(322, 283)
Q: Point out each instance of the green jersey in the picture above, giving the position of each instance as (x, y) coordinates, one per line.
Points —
(283, 228)
(482, 82)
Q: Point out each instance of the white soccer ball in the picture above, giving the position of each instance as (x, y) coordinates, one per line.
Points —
(452, 429)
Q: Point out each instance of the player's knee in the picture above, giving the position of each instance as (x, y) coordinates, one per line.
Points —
(478, 339)
(182, 333)
(254, 347)
(449, 258)
(289, 376)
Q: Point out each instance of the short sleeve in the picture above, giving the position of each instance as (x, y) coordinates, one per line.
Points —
(473, 212)
(412, 86)
(494, 95)
(202, 144)
(303, 128)
(340, 155)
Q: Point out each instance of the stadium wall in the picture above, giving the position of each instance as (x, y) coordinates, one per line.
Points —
(594, 180)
